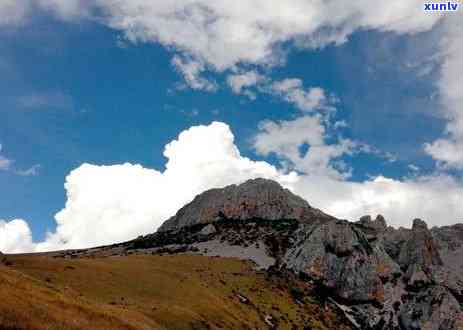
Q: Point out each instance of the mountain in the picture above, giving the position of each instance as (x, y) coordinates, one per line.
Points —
(379, 276)
(300, 268)
(254, 199)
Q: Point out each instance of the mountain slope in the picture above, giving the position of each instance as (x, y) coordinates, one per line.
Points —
(153, 292)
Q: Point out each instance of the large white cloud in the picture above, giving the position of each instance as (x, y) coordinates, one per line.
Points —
(15, 236)
(449, 150)
(438, 199)
(224, 33)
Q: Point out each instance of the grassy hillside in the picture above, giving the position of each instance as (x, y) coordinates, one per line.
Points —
(152, 292)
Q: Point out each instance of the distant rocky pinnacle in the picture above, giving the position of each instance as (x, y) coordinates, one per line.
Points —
(380, 277)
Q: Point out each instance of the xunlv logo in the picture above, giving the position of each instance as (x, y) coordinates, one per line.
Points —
(449, 6)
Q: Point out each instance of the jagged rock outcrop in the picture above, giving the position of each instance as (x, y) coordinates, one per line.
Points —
(372, 228)
(254, 199)
(448, 238)
(420, 248)
(381, 277)
(433, 308)
(419, 256)
(340, 258)
(430, 293)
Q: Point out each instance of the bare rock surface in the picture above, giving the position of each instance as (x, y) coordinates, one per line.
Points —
(420, 249)
(340, 258)
(254, 199)
(448, 238)
(256, 252)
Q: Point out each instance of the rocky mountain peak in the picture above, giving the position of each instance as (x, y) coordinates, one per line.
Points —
(419, 224)
(375, 227)
(420, 249)
(380, 221)
(254, 199)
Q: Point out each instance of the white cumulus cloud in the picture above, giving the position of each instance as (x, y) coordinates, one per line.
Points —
(292, 91)
(286, 138)
(448, 151)
(240, 82)
(15, 237)
(437, 199)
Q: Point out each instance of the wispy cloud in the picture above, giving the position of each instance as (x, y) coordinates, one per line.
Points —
(242, 82)
(45, 100)
(5, 163)
(192, 71)
(32, 171)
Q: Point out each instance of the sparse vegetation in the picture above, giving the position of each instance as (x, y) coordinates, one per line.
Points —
(151, 292)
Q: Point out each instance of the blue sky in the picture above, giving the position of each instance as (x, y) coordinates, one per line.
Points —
(77, 91)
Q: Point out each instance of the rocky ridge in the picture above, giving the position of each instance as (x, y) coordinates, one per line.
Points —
(255, 199)
(381, 277)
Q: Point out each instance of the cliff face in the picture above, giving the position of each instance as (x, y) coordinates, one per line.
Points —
(254, 199)
(381, 277)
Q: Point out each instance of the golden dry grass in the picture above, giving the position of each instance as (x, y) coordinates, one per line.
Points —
(149, 292)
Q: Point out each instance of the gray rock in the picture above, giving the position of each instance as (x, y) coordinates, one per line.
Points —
(416, 278)
(419, 253)
(394, 240)
(254, 199)
(208, 230)
(223, 249)
(378, 225)
(339, 257)
(448, 238)
(355, 261)
(433, 309)
(372, 229)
